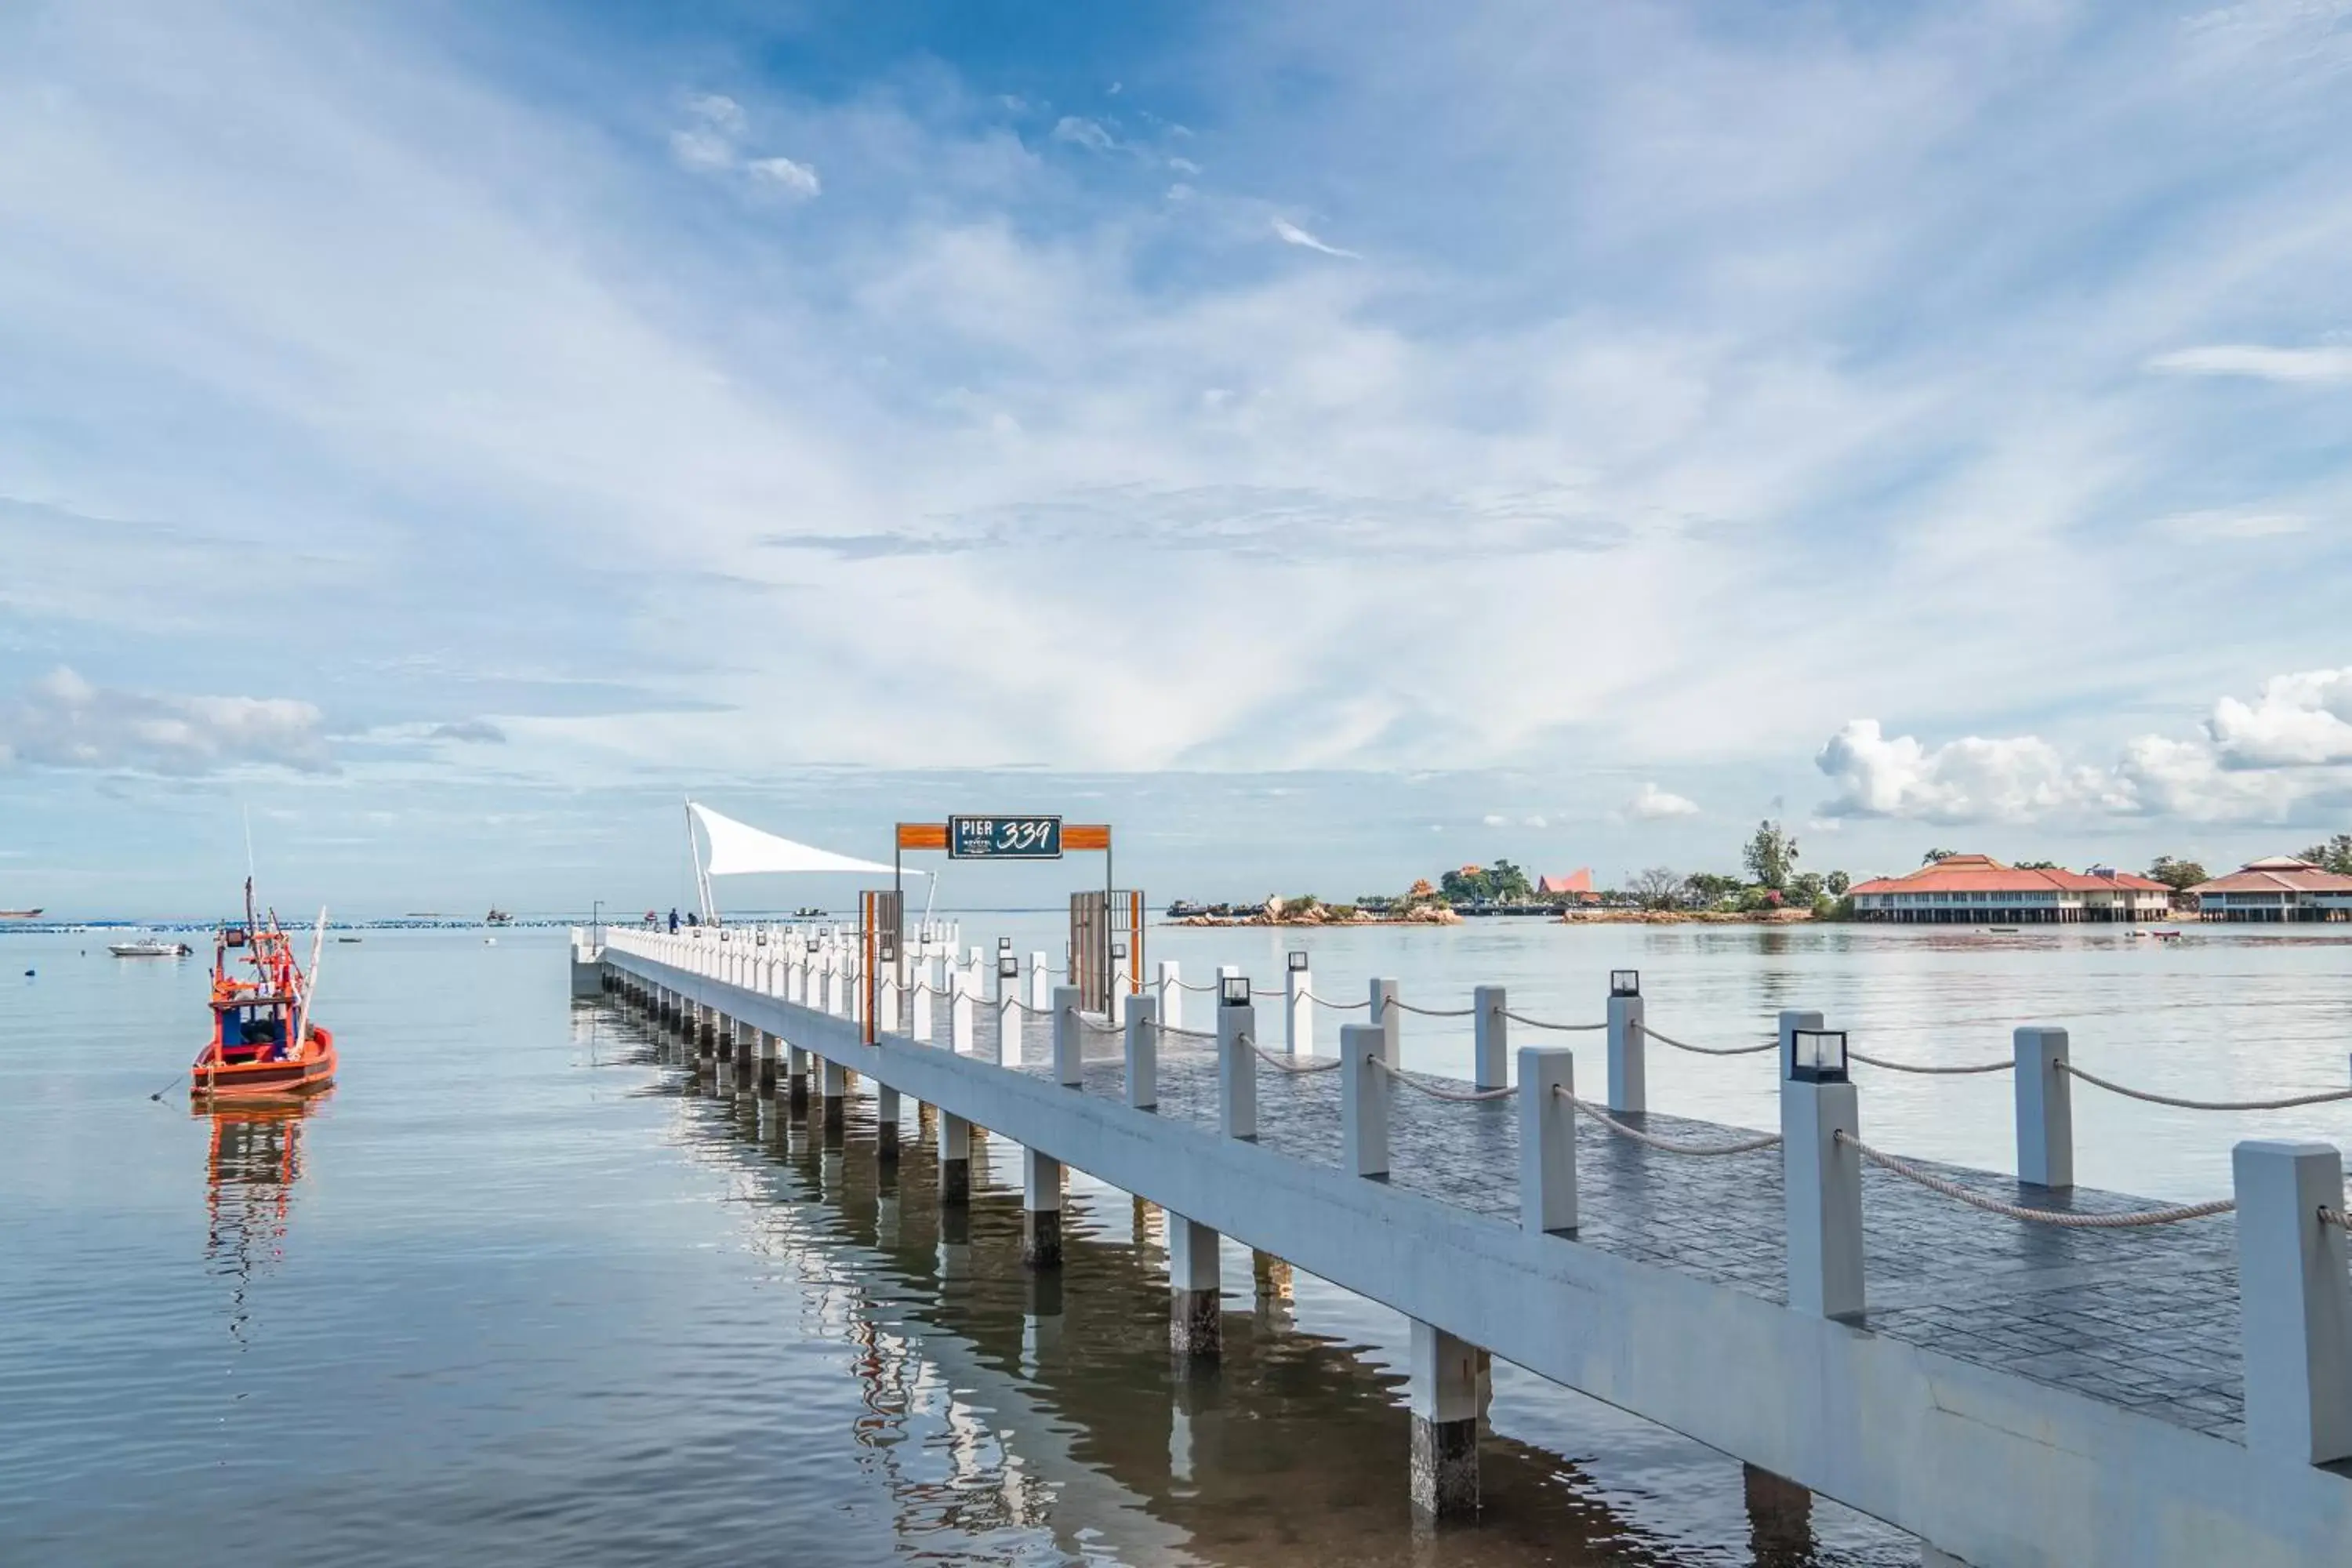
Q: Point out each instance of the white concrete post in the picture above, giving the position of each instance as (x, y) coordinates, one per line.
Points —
(955, 1161)
(833, 1087)
(1195, 1317)
(1546, 1139)
(963, 982)
(1299, 1011)
(1364, 1092)
(886, 1122)
(885, 1007)
(1490, 1052)
(1008, 1012)
(836, 984)
(1237, 1070)
(920, 1003)
(2046, 1109)
(1388, 1020)
(1143, 1055)
(1442, 1394)
(1041, 983)
(1069, 1054)
(2294, 1304)
(1628, 1067)
(1821, 1186)
(1171, 993)
(1041, 1209)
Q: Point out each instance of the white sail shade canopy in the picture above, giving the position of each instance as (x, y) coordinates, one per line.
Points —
(738, 849)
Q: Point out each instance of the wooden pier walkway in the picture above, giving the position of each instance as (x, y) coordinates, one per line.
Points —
(2008, 1390)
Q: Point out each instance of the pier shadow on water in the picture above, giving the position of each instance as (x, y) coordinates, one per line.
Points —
(1020, 1414)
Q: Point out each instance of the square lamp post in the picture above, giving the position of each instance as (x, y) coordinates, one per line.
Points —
(1234, 990)
(1817, 1056)
(1297, 959)
(1624, 982)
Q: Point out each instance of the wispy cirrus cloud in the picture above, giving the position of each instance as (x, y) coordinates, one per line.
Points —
(1291, 234)
(2259, 363)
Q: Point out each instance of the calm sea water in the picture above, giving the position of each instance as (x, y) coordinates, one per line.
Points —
(516, 1292)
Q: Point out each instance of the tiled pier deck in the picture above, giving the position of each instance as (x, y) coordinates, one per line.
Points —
(2013, 1393)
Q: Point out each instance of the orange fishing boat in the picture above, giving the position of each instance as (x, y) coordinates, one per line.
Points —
(264, 1045)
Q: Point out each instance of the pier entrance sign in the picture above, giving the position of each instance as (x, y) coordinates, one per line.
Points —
(1005, 837)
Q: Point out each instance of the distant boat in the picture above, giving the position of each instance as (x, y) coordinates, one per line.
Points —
(2004, 931)
(20, 914)
(799, 914)
(497, 917)
(149, 947)
(347, 939)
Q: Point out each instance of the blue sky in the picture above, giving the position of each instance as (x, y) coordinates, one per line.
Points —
(1335, 442)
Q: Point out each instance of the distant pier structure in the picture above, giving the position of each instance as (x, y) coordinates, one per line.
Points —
(2015, 1369)
(1977, 889)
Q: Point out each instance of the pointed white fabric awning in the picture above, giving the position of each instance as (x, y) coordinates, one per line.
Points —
(738, 849)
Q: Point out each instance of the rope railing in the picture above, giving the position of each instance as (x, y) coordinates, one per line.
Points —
(1188, 1034)
(1462, 1097)
(1294, 1065)
(1925, 1068)
(2131, 1219)
(1399, 1002)
(1772, 1045)
(1086, 1022)
(1548, 1023)
(2336, 1217)
(1336, 1007)
(1666, 1145)
(2285, 1104)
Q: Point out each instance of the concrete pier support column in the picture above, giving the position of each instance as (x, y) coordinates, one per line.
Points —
(796, 1077)
(1546, 1139)
(1364, 1092)
(1628, 1062)
(1388, 1020)
(886, 1122)
(1170, 993)
(1041, 1210)
(1196, 1322)
(1143, 1054)
(1491, 1044)
(833, 1087)
(1444, 1396)
(1779, 1520)
(1070, 1057)
(2295, 1307)
(1298, 1006)
(1237, 1069)
(2046, 1109)
(1821, 1181)
(767, 1065)
(955, 1161)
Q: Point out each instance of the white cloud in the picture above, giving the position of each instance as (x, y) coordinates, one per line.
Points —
(1184, 166)
(1969, 780)
(716, 110)
(62, 721)
(2259, 363)
(701, 150)
(1652, 804)
(1494, 819)
(471, 732)
(2298, 720)
(1291, 234)
(796, 180)
(1535, 822)
(2231, 523)
(1082, 132)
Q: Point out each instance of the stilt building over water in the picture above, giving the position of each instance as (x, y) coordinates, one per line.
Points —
(1977, 889)
(2280, 887)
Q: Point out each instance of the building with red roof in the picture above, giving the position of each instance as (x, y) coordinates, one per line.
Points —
(2281, 888)
(1575, 888)
(1977, 889)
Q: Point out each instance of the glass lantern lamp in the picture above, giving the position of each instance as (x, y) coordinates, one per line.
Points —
(1624, 982)
(1297, 960)
(1234, 990)
(1817, 1056)
(1007, 966)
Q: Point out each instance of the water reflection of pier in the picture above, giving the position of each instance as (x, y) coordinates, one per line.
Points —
(1054, 1402)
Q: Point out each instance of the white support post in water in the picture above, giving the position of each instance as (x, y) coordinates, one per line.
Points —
(2046, 1109)
(955, 1161)
(833, 1087)
(1041, 1210)
(1195, 1314)
(1143, 1055)
(886, 1122)
(1237, 1070)
(1070, 1056)
(1821, 1186)
(1546, 1139)
(1388, 1020)
(1628, 1062)
(1442, 1394)
(1491, 1046)
(2294, 1304)
(1171, 993)
(1363, 1102)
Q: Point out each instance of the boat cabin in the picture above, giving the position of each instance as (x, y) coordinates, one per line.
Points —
(254, 1028)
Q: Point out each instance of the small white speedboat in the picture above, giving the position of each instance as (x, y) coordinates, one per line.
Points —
(149, 947)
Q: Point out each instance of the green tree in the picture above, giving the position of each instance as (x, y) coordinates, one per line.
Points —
(2178, 875)
(1506, 884)
(1932, 856)
(1806, 888)
(1771, 855)
(1658, 887)
(1837, 882)
(1468, 886)
(2335, 855)
(1707, 888)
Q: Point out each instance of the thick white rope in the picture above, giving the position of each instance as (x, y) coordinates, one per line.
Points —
(1086, 1023)
(1336, 1007)
(1292, 1064)
(2288, 1103)
(1188, 986)
(1542, 1024)
(1188, 1034)
(2131, 1220)
(1459, 1096)
(1669, 1146)
(2336, 1217)
(1430, 1012)
(1922, 1068)
(1772, 1045)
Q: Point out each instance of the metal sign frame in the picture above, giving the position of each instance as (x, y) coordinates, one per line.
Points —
(1081, 837)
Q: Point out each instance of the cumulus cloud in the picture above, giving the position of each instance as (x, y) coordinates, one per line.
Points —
(62, 721)
(1082, 132)
(1969, 779)
(2299, 720)
(795, 179)
(470, 732)
(1494, 819)
(1291, 234)
(2258, 362)
(1652, 804)
(712, 142)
